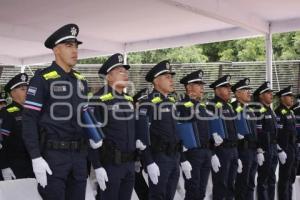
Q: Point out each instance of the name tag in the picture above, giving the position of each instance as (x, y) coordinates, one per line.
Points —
(165, 109)
(226, 111)
(268, 117)
(61, 88)
(19, 118)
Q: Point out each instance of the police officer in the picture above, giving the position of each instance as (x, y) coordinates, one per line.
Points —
(51, 132)
(296, 169)
(286, 140)
(247, 143)
(3, 101)
(115, 110)
(162, 156)
(140, 186)
(225, 148)
(267, 142)
(15, 160)
(195, 111)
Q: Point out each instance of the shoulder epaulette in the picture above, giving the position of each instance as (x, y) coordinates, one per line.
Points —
(128, 98)
(51, 75)
(172, 99)
(239, 109)
(13, 109)
(78, 76)
(188, 104)
(219, 105)
(203, 104)
(106, 97)
(262, 110)
(156, 100)
(284, 111)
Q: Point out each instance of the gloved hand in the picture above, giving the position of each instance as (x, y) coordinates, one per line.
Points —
(41, 168)
(240, 137)
(101, 176)
(240, 166)
(260, 158)
(0, 146)
(282, 157)
(137, 166)
(95, 145)
(184, 149)
(8, 174)
(218, 139)
(153, 172)
(186, 168)
(139, 145)
(215, 163)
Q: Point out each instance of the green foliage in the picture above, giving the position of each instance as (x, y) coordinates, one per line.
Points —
(286, 46)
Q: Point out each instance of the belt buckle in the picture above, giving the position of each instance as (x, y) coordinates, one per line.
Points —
(63, 145)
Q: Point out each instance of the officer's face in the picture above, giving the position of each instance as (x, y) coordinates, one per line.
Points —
(243, 96)
(195, 90)
(287, 100)
(164, 83)
(2, 104)
(267, 97)
(66, 53)
(224, 92)
(118, 77)
(19, 94)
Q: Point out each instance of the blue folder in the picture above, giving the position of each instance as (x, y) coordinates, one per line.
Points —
(92, 128)
(216, 126)
(188, 134)
(241, 125)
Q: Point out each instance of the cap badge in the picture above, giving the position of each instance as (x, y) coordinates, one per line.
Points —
(120, 58)
(73, 31)
(23, 78)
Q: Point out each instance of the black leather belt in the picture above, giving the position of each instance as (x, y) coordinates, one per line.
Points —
(64, 145)
(229, 144)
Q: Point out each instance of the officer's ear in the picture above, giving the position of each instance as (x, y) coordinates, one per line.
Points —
(55, 50)
(188, 88)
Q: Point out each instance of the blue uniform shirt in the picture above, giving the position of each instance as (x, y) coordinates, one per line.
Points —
(11, 129)
(287, 132)
(161, 111)
(266, 126)
(224, 110)
(54, 101)
(112, 105)
(195, 109)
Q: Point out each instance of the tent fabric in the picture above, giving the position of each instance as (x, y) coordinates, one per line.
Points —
(126, 26)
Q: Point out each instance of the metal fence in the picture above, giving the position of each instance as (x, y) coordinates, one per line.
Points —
(284, 73)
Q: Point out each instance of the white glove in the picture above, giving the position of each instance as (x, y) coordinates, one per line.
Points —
(240, 166)
(139, 145)
(240, 137)
(184, 149)
(218, 139)
(137, 166)
(260, 158)
(8, 174)
(101, 176)
(186, 168)
(95, 145)
(215, 163)
(41, 168)
(282, 157)
(153, 172)
(0, 146)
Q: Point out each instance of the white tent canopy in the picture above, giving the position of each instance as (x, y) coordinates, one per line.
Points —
(125, 26)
